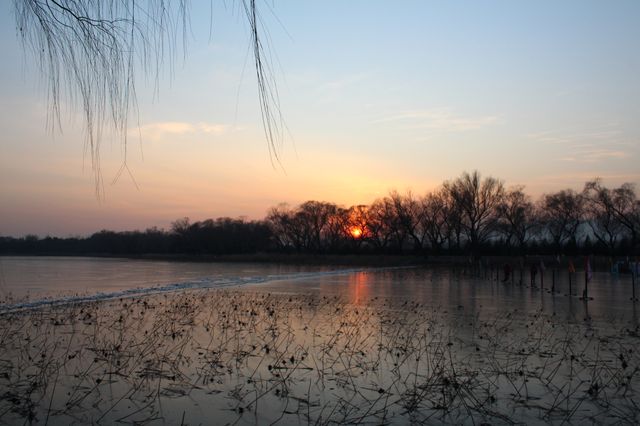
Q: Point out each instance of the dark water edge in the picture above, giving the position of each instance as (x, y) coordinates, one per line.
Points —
(598, 263)
(332, 259)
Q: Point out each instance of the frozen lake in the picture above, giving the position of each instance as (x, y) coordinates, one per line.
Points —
(36, 279)
(184, 343)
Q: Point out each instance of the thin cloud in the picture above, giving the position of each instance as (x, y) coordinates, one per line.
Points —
(438, 119)
(343, 82)
(167, 127)
(599, 154)
(576, 180)
(159, 130)
(212, 128)
(596, 155)
(594, 144)
(606, 133)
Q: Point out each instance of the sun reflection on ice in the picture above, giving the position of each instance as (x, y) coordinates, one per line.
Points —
(359, 283)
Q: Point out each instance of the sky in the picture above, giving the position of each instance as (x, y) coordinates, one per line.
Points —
(376, 96)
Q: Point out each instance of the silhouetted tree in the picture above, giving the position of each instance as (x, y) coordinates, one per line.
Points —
(435, 219)
(337, 229)
(180, 226)
(358, 221)
(601, 218)
(454, 215)
(612, 211)
(478, 200)
(517, 218)
(408, 215)
(314, 217)
(286, 227)
(382, 224)
(561, 214)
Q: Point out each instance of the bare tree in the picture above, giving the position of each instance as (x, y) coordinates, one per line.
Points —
(561, 215)
(517, 217)
(180, 226)
(408, 212)
(337, 228)
(454, 222)
(280, 220)
(382, 223)
(435, 219)
(612, 212)
(478, 200)
(358, 226)
(315, 218)
(89, 52)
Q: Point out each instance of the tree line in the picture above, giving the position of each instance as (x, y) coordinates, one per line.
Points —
(469, 215)
(216, 237)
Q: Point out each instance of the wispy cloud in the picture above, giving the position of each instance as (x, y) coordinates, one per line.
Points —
(338, 89)
(158, 130)
(343, 82)
(546, 183)
(595, 155)
(609, 132)
(588, 145)
(438, 119)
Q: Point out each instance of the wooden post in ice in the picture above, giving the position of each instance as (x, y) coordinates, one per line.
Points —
(572, 270)
(587, 277)
(634, 271)
(570, 283)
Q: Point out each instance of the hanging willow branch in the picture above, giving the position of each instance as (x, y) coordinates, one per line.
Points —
(90, 51)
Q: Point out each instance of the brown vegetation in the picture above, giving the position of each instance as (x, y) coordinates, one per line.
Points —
(259, 358)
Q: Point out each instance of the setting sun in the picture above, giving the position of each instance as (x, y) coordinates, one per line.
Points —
(355, 232)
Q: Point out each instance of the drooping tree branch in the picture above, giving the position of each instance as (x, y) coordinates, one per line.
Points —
(90, 53)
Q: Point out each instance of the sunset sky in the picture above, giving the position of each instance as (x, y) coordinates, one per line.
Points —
(377, 95)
